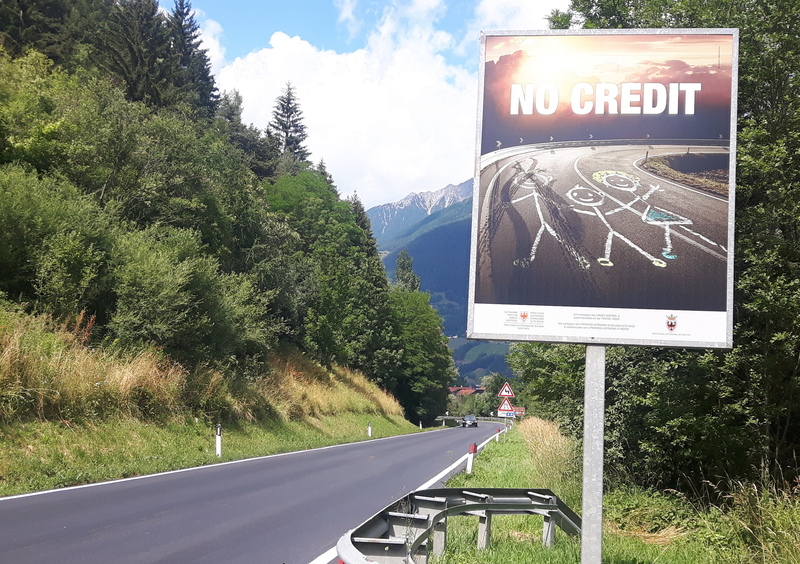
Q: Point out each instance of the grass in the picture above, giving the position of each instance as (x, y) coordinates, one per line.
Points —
(669, 167)
(47, 372)
(44, 455)
(71, 414)
(640, 526)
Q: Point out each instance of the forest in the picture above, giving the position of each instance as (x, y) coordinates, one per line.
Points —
(139, 212)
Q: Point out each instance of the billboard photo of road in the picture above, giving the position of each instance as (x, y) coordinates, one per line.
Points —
(603, 203)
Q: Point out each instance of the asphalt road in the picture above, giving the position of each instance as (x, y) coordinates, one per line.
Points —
(279, 509)
(587, 226)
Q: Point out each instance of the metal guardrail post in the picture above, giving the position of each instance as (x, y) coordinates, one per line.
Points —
(484, 519)
(435, 506)
(402, 533)
(548, 532)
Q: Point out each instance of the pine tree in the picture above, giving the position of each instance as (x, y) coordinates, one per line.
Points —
(135, 46)
(404, 274)
(369, 244)
(261, 151)
(28, 24)
(287, 124)
(195, 80)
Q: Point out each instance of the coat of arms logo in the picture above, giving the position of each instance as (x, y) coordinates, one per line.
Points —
(672, 322)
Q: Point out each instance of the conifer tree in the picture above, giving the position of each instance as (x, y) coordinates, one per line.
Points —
(195, 79)
(369, 244)
(28, 24)
(404, 274)
(135, 46)
(287, 124)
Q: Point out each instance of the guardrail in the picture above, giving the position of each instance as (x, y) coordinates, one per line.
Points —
(409, 529)
(501, 420)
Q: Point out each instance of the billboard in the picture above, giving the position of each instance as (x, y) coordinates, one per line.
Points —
(604, 187)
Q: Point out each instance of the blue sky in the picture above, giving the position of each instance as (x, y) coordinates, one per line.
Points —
(388, 88)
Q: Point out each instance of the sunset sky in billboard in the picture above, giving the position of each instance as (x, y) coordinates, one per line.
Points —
(560, 62)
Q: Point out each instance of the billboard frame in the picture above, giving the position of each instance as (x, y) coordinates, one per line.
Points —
(629, 319)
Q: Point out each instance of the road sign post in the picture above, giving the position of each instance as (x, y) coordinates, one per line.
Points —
(593, 433)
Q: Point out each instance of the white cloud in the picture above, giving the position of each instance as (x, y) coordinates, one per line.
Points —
(211, 34)
(392, 117)
(522, 15)
(516, 14)
(387, 119)
(347, 16)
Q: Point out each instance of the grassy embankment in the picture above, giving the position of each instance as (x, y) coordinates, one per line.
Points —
(71, 414)
(704, 171)
(755, 525)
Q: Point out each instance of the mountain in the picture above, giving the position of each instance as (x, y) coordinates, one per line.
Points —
(391, 220)
(439, 246)
(434, 228)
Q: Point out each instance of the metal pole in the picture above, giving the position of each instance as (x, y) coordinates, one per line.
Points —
(593, 431)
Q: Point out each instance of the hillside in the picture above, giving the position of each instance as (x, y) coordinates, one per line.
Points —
(439, 244)
(179, 229)
(73, 414)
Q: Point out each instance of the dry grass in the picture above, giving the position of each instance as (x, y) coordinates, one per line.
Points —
(658, 538)
(299, 387)
(554, 457)
(48, 373)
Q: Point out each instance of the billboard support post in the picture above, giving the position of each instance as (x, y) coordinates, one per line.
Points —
(593, 437)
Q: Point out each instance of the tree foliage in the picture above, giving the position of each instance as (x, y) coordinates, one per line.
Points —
(130, 194)
(287, 125)
(404, 274)
(195, 78)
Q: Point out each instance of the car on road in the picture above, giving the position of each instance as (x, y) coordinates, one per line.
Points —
(469, 421)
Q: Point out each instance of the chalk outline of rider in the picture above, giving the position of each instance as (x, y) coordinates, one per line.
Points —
(594, 206)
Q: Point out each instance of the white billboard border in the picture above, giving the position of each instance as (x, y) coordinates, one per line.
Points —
(576, 339)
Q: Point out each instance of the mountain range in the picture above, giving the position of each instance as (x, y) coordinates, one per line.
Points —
(434, 227)
(394, 220)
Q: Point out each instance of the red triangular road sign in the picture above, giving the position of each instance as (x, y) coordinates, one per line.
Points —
(505, 392)
(505, 406)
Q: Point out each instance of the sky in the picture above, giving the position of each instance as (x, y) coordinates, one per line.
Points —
(388, 88)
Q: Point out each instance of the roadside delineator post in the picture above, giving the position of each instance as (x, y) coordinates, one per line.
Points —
(219, 440)
(369, 429)
(497, 436)
(473, 449)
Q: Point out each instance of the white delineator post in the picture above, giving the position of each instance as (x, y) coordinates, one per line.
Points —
(593, 435)
(369, 429)
(219, 440)
(473, 449)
